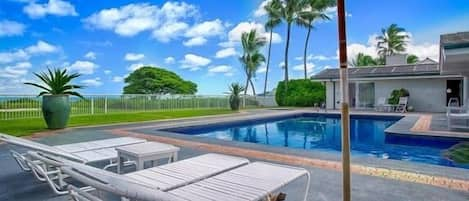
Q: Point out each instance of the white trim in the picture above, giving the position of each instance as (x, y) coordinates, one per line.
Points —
(393, 78)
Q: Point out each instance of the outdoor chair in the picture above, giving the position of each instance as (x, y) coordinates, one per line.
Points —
(382, 106)
(251, 182)
(457, 117)
(402, 105)
(164, 177)
(84, 152)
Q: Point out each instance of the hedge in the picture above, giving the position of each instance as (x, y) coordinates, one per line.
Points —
(300, 93)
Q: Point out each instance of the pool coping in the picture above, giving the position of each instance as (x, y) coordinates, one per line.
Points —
(420, 125)
(449, 177)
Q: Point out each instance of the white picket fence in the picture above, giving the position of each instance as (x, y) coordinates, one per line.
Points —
(29, 106)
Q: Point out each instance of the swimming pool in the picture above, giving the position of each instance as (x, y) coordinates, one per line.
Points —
(322, 132)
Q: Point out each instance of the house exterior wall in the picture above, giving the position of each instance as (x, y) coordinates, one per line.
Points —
(329, 95)
(426, 95)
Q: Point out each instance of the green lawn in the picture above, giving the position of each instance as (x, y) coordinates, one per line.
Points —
(24, 127)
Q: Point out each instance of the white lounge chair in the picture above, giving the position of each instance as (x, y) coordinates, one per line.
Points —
(457, 117)
(251, 182)
(402, 105)
(164, 177)
(382, 106)
(85, 152)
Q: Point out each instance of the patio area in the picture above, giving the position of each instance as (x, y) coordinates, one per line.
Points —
(372, 178)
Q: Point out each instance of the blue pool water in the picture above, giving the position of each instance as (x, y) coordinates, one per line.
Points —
(313, 132)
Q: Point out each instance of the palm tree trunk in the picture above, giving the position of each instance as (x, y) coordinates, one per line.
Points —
(247, 83)
(252, 86)
(268, 63)
(306, 52)
(286, 52)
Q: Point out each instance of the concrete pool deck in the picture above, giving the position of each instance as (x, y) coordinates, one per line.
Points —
(373, 179)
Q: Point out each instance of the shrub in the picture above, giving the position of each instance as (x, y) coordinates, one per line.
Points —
(300, 93)
(235, 100)
(396, 94)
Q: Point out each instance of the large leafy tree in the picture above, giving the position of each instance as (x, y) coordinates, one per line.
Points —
(315, 10)
(362, 60)
(289, 11)
(393, 40)
(151, 80)
(251, 57)
(274, 19)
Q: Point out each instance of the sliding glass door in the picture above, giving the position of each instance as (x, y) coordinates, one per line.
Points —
(366, 95)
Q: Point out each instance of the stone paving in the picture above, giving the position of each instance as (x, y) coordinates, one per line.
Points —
(372, 179)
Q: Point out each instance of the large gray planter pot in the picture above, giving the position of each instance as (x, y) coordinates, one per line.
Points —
(56, 110)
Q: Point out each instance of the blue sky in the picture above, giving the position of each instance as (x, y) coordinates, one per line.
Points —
(199, 40)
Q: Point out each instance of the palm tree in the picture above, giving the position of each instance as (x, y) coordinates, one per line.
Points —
(288, 11)
(315, 10)
(362, 60)
(273, 20)
(411, 59)
(251, 58)
(392, 40)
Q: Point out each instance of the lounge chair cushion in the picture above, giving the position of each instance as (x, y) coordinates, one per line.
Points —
(173, 175)
(247, 183)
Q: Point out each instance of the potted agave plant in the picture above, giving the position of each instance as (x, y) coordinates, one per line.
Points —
(235, 99)
(55, 96)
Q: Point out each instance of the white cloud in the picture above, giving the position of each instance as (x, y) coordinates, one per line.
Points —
(169, 60)
(196, 41)
(259, 12)
(194, 62)
(309, 68)
(281, 64)
(53, 7)
(107, 72)
(8, 57)
(129, 20)
(7, 85)
(262, 69)
(96, 82)
(90, 55)
(169, 31)
(224, 69)
(41, 47)
(227, 52)
(220, 69)
(118, 79)
(15, 71)
(83, 67)
(24, 54)
(133, 57)
(318, 57)
(234, 36)
(206, 29)
(422, 51)
(11, 28)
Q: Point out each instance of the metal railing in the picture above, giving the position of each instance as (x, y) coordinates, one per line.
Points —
(29, 106)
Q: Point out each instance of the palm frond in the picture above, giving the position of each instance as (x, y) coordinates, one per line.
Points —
(57, 82)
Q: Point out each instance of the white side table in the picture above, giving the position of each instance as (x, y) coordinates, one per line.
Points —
(147, 151)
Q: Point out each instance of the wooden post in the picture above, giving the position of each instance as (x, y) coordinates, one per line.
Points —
(105, 104)
(345, 118)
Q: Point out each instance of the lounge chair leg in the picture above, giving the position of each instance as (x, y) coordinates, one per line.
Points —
(277, 197)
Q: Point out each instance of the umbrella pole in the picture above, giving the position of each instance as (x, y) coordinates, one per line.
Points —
(345, 117)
